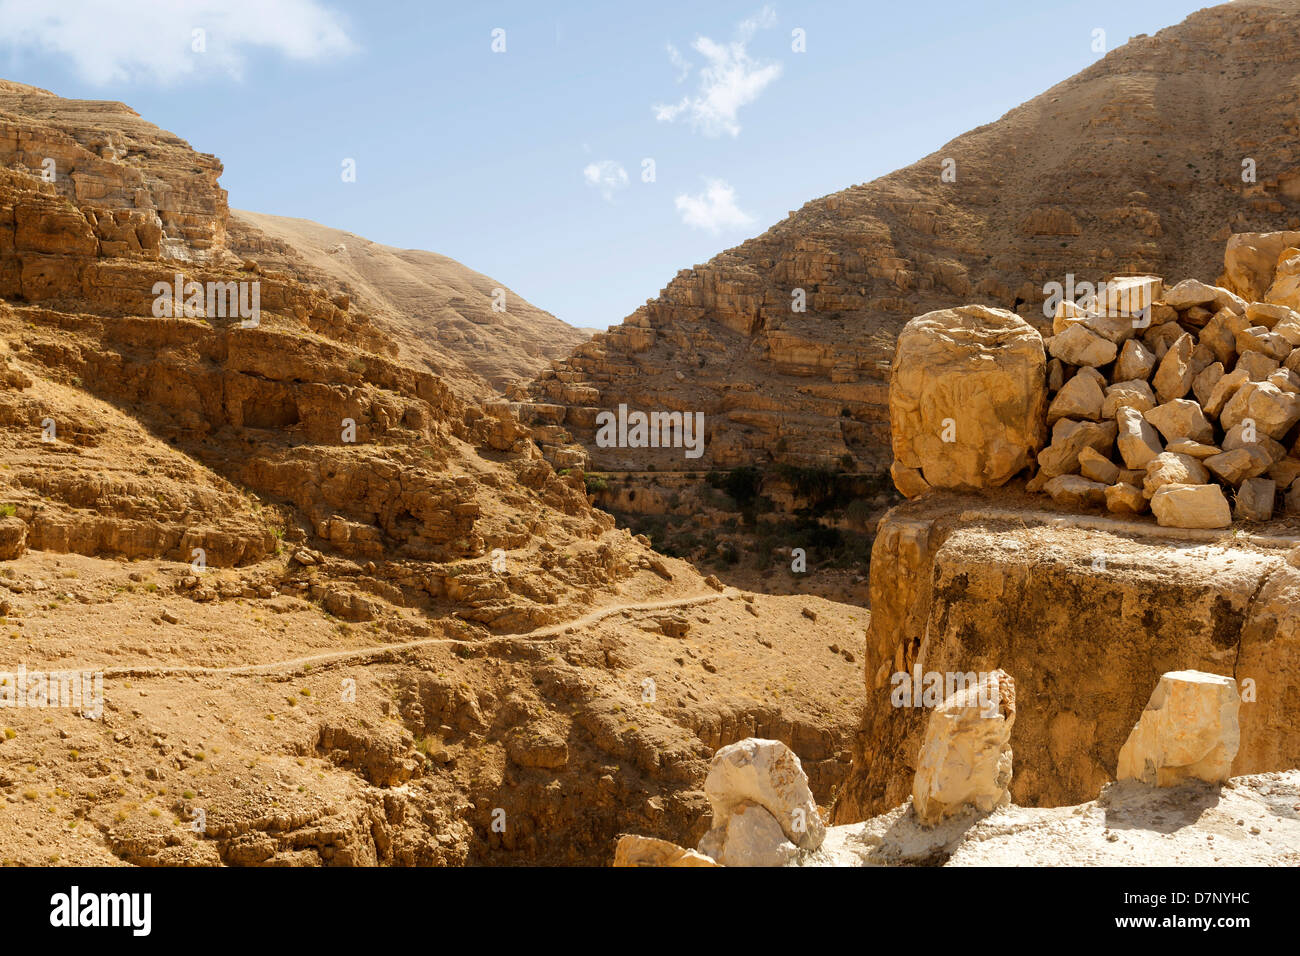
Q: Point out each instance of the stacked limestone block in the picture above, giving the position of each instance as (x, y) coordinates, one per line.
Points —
(1180, 400)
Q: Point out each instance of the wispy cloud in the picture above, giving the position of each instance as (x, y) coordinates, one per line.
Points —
(155, 40)
(679, 62)
(606, 176)
(729, 79)
(714, 209)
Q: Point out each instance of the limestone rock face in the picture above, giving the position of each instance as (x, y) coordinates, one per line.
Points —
(1188, 731)
(965, 760)
(633, 850)
(967, 397)
(765, 773)
(1191, 506)
(875, 254)
(942, 578)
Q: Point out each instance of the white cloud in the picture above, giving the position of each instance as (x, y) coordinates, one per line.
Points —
(730, 79)
(714, 209)
(154, 40)
(679, 62)
(607, 176)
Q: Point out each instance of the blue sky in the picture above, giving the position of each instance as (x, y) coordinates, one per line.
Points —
(510, 161)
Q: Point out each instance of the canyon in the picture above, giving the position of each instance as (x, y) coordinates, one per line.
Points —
(1133, 166)
(342, 609)
(362, 583)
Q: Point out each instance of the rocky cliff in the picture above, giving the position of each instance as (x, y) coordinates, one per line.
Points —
(1144, 162)
(341, 612)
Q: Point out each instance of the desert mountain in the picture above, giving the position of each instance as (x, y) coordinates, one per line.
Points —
(342, 612)
(1144, 162)
(439, 310)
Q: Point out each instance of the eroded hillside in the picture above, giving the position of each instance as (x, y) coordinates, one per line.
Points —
(1135, 164)
(441, 313)
(341, 612)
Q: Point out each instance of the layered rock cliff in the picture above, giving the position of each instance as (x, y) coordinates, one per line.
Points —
(1144, 162)
(203, 504)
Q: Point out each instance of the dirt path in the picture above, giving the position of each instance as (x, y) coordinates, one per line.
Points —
(380, 650)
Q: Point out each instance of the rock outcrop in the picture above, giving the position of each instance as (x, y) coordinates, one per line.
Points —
(1087, 613)
(477, 332)
(1188, 731)
(966, 760)
(194, 491)
(763, 810)
(1243, 823)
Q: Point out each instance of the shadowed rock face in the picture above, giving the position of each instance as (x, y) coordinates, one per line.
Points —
(1133, 165)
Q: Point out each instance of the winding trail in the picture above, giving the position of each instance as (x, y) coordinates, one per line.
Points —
(293, 664)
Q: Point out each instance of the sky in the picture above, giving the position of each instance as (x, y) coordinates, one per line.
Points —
(580, 153)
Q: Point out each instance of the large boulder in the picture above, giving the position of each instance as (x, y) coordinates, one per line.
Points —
(1191, 506)
(1180, 418)
(1250, 261)
(1172, 468)
(1285, 289)
(1255, 499)
(768, 774)
(965, 759)
(1192, 292)
(1078, 345)
(1272, 410)
(968, 397)
(1188, 731)
(1135, 362)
